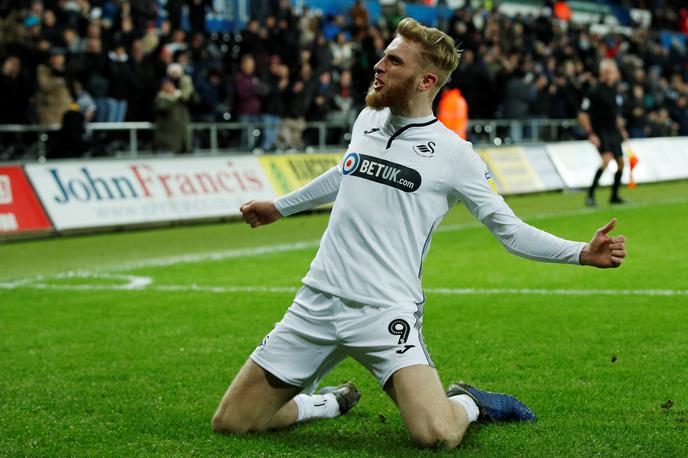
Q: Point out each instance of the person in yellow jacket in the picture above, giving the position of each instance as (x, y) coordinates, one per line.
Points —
(453, 111)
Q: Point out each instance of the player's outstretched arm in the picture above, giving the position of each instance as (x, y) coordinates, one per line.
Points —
(604, 250)
(259, 213)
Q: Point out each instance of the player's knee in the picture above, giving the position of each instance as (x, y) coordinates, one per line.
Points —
(229, 422)
(225, 424)
(438, 436)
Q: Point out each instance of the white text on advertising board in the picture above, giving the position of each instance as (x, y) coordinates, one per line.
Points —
(5, 190)
(8, 222)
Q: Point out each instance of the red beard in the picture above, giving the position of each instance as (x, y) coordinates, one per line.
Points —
(390, 95)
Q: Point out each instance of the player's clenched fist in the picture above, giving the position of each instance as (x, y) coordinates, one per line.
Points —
(259, 213)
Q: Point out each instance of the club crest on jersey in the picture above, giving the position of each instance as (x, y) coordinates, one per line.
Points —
(381, 171)
(425, 150)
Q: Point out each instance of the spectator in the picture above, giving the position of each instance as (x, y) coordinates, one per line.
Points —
(142, 12)
(560, 59)
(680, 114)
(542, 103)
(16, 89)
(53, 97)
(121, 83)
(72, 42)
(85, 103)
(197, 12)
(174, 13)
(215, 96)
(321, 56)
(343, 107)
(308, 25)
(248, 89)
(92, 68)
(299, 97)
(518, 95)
(636, 113)
(143, 69)
(49, 29)
(661, 125)
(342, 52)
(172, 114)
(70, 140)
(254, 42)
(203, 55)
(322, 103)
(277, 81)
(453, 111)
(359, 18)
(176, 42)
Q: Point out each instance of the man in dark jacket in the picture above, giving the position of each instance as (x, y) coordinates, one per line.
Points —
(299, 97)
(274, 103)
(16, 90)
(121, 83)
(248, 90)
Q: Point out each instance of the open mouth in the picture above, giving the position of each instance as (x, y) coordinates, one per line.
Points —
(377, 84)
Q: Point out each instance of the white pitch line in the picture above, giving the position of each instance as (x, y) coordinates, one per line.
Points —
(147, 285)
(269, 249)
(216, 256)
(560, 292)
(38, 282)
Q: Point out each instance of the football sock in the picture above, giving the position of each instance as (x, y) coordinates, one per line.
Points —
(468, 405)
(316, 406)
(617, 182)
(595, 181)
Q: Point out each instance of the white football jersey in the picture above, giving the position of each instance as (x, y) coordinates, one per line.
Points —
(398, 181)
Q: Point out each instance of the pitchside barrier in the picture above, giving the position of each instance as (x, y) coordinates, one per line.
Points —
(66, 196)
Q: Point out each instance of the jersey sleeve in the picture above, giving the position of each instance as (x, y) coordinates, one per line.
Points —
(530, 242)
(471, 182)
(321, 190)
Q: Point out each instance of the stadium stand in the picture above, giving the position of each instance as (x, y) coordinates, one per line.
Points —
(523, 67)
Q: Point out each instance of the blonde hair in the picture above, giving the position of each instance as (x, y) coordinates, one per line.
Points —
(437, 48)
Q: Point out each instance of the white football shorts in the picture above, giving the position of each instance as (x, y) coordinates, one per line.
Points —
(320, 330)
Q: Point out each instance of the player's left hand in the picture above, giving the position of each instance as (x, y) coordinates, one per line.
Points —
(604, 251)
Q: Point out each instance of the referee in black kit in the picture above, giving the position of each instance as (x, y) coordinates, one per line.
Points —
(600, 117)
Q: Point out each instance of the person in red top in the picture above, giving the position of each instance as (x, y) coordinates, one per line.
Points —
(453, 111)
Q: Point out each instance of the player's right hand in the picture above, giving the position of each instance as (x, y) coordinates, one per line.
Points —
(259, 213)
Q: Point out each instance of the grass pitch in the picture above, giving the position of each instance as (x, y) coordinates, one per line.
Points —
(122, 344)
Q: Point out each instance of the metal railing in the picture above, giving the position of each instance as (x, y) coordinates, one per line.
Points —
(32, 142)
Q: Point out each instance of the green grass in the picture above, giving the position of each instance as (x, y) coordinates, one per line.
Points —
(108, 372)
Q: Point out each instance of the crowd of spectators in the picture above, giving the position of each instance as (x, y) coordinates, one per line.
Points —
(114, 60)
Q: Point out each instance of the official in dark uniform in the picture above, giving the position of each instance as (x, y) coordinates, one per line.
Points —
(600, 116)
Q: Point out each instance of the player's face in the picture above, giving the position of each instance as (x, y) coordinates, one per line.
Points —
(396, 75)
(610, 74)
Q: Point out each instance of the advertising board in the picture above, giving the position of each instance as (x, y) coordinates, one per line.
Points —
(20, 210)
(81, 194)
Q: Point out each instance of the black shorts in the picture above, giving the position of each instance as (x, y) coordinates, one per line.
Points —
(610, 142)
